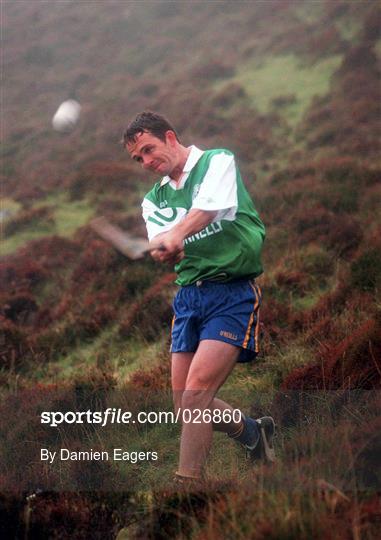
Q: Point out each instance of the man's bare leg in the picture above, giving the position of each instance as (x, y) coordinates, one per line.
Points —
(179, 372)
(208, 370)
(180, 367)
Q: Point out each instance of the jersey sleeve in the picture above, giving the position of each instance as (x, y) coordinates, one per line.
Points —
(160, 220)
(152, 225)
(218, 190)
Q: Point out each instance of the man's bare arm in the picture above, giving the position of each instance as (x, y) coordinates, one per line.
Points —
(173, 240)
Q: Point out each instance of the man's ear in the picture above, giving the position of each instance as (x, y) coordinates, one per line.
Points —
(170, 137)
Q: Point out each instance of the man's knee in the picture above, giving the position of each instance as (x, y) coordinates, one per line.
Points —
(196, 399)
(201, 381)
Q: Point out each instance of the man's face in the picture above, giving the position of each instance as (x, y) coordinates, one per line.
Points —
(154, 154)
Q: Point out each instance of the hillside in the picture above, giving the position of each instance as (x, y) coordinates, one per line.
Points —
(293, 89)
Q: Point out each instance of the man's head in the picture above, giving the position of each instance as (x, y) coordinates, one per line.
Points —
(148, 122)
(152, 141)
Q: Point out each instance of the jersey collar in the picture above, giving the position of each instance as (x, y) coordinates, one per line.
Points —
(194, 155)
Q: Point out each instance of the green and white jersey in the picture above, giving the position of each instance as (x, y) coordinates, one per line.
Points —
(230, 247)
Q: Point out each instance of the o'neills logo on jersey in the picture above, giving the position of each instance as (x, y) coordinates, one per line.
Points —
(211, 229)
(167, 216)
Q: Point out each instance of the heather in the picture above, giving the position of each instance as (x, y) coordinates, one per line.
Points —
(293, 89)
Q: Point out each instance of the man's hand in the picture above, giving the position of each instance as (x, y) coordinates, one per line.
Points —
(163, 256)
(169, 246)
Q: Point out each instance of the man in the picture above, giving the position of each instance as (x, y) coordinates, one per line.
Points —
(201, 218)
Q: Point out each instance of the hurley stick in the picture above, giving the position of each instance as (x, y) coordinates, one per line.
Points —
(131, 246)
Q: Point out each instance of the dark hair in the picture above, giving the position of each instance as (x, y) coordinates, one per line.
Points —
(147, 122)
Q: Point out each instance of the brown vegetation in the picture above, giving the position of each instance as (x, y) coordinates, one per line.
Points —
(317, 191)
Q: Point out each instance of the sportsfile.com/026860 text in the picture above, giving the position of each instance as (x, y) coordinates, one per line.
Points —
(118, 416)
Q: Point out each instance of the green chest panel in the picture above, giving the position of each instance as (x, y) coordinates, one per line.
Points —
(224, 250)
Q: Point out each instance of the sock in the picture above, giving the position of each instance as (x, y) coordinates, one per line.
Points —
(248, 434)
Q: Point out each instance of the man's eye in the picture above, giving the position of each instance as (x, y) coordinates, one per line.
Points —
(138, 159)
(148, 150)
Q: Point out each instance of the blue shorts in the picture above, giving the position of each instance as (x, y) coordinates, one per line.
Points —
(222, 311)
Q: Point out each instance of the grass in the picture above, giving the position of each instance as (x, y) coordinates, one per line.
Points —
(281, 502)
(280, 76)
(11, 244)
(106, 352)
(307, 302)
(68, 217)
(309, 12)
(312, 11)
(289, 358)
(72, 215)
(288, 496)
(348, 27)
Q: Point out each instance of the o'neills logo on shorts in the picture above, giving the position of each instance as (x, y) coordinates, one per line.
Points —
(228, 335)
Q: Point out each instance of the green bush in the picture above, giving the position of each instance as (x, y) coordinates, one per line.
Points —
(366, 270)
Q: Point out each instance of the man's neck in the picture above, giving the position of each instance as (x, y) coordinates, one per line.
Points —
(177, 172)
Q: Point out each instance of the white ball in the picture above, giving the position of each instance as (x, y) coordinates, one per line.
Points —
(66, 116)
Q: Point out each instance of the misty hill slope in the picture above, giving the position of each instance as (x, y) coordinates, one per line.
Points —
(293, 89)
(277, 86)
(242, 74)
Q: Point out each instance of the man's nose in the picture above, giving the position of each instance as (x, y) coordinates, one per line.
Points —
(147, 162)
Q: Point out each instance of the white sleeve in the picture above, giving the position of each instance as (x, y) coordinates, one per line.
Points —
(160, 220)
(153, 228)
(218, 190)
